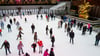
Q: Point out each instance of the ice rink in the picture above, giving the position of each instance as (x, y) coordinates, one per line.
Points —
(83, 44)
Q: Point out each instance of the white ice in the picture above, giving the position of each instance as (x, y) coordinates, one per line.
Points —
(83, 45)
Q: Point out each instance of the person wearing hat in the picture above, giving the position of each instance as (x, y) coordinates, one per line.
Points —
(6, 46)
(51, 52)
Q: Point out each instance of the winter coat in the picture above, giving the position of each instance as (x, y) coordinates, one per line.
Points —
(68, 29)
(40, 43)
(91, 29)
(33, 45)
(10, 21)
(8, 26)
(52, 39)
(98, 36)
(46, 53)
(84, 28)
(65, 25)
(52, 53)
(71, 34)
(32, 27)
(6, 45)
(50, 31)
(20, 45)
(35, 37)
(47, 28)
(88, 26)
(2, 23)
(19, 34)
(0, 30)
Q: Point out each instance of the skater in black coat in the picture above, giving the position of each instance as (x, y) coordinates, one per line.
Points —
(10, 21)
(68, 30)
(47, 29)
(97, 39)
(61, 23)
(25, 19)
(51, 52)
(41, 16)
(53, 40)
(84, 30)
(7, 46)
(34, 47)
(51, 32)
(71, 34)
(9, 28)
(81, 25)
(32, 27)
(78, 24)
(90, 29)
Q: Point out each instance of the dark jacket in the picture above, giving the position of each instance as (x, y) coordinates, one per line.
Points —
(71, 34)
(33, 45)
(91, 29)
(8, 26)
(50, 31)
(98, 36)
(52, 53)
(68, 29)
(52, 39)
(32, 27)
(84, 28)
(6, 45)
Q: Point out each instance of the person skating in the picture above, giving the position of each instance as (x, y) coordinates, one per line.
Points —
(59, 24)
(78, 24)
(91, 28)
(68, 30)
(84, 30)
(71, 35)
(74, 22)
(51, 52)
(51, 32)
(20, 45)
(19, 35)
(41, 16)
(10, 21)
(32, 27)
(88, 26)
(26, 54)
(17, 24)
(2, 25)
(37, 16)
(46, 53)
(65, 27)
(35, 37)
(25, 19)
(47, 29)
(81, 25)
(97, 39)
(6, 46)
(53, 40)
(40, 43)
(9, 28)
(14, 20)
(34, 47)
(0, 32)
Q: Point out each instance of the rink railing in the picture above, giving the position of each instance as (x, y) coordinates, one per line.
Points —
(30, 11)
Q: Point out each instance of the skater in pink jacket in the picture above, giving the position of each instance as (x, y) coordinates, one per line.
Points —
(20, 45)
(46, 53)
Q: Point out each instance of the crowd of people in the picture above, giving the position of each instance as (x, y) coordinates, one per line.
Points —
(68, 24)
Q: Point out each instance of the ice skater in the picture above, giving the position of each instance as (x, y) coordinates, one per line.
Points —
(17, 24)
(10, 21)
(71, 35)
(51, 52)
(97, 39)
(2, 25)
(14, 20)
(40, 43)
(35, 37)
(65, 27)
(20, 49)
(33, 27)
(34, 47)
(46, 53)
(25, 19)
(9, 28)
(51, 32)
(6, 45)
(47, 29)
(19, 35)
(53, 40)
